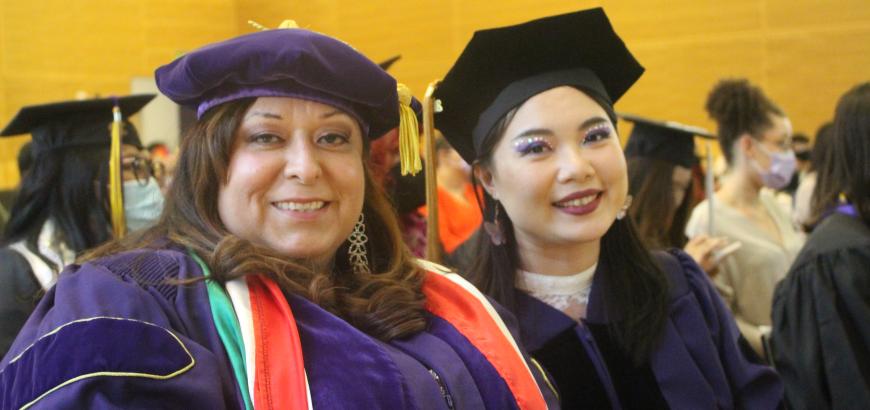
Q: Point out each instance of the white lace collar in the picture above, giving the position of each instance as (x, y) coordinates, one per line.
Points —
(537, 283)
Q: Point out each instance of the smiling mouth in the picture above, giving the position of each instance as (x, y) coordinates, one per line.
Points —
(309, 206)
(578, 202)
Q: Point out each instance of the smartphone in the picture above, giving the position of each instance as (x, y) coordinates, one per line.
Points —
(720, 254)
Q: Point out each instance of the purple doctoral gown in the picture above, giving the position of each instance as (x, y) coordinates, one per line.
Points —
(697, 365)
(113, 334)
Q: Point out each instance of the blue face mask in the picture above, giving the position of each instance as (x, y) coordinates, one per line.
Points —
(142, 204)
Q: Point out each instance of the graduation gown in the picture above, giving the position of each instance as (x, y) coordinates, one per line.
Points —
(114, 334)
(698, 364)
(24, 276)
(19, 294)
(821, 319)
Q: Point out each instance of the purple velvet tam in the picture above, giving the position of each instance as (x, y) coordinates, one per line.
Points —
(284, 63)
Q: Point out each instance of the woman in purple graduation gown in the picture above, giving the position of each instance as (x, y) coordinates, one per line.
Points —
(276, 277)
(615, 325)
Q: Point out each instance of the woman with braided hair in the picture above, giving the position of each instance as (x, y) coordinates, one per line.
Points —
(755, 137)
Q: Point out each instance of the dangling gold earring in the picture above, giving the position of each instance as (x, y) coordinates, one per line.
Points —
(624, 210)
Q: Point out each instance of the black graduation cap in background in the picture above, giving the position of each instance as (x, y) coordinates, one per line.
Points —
(501, 68)
(665, 140)
(386, 64)
(73, 123)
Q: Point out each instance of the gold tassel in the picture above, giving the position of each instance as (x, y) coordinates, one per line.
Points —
(116, 193)
(284, 24)
(409, 134)
(288, 24)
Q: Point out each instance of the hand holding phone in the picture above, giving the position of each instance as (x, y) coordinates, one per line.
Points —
(721, 253)
(709, 251)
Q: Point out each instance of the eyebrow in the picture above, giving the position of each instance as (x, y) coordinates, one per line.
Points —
(332, 114)
(547, 132)
(265, 114)
(592, 121)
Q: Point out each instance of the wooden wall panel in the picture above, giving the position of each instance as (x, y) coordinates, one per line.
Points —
(804, 53)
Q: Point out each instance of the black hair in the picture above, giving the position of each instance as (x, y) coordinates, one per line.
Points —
(846, 166)
(739, 108)
(821, 146)
(635, 287)
(70, 187)
(25, 158)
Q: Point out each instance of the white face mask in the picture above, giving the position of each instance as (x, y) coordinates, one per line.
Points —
(142, 204)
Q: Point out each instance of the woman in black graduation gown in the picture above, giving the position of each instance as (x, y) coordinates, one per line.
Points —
(61, 209)
(661, 158)
(531, 106)
(821, 310)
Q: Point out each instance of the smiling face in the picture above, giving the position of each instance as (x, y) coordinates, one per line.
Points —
(295, 179)
(558, 170)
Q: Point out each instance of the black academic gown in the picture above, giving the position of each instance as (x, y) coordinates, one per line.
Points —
(821, 319)
(19, 294)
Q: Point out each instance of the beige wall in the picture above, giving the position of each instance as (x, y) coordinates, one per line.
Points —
(803, 53)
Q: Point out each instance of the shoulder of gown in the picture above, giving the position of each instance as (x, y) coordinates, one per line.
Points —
(751, 384)
(109, 335)
(820, 334)
(18, 295)
(512, 326)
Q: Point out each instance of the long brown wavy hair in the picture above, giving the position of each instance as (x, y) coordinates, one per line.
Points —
(386, 304)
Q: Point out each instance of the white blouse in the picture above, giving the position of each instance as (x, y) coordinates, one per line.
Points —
(748, 277)
(569, 294)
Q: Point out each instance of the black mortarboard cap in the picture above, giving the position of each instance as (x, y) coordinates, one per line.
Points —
(503, 67)
(74, 123)
(665, 140)
(386, 64)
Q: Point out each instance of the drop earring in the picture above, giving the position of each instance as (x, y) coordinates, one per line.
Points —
(624, 210)
(357, 254)
(494, 229)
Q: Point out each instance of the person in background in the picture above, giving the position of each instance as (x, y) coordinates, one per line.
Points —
(25, 158)
(660, 158)
(821, 310)
(406, 192)
(62, 207)
(4, 216)
(802, 148)
(164, 164)
(457, 200)
(276, 276)
(802, 215)
(617, 326)
(7, 197)
(754, 136)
